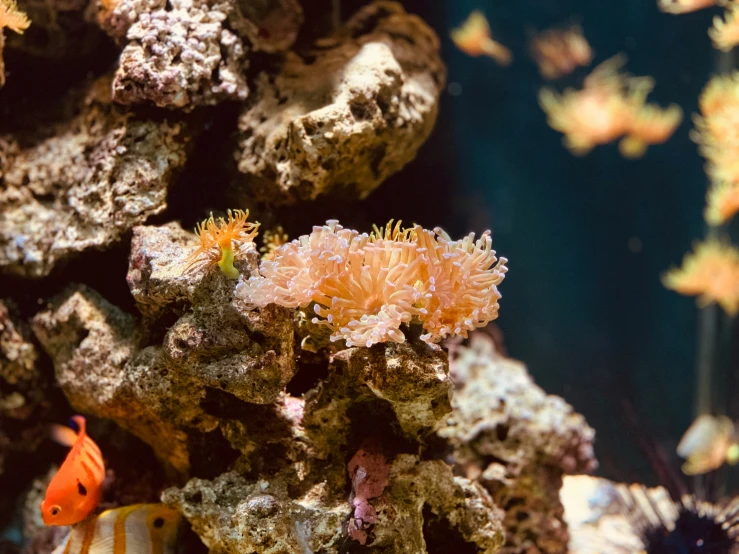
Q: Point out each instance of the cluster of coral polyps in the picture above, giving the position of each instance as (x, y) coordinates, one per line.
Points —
(364, 287)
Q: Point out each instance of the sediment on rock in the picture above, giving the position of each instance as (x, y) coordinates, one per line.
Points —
(345, 115)
(517, 441)
(88, 183)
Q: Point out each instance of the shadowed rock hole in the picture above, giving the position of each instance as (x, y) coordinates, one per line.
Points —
(311, 371)
(211, 454)
(376, 158)
(441, 537)
(361, 112)
(224, 405)
(501, 431)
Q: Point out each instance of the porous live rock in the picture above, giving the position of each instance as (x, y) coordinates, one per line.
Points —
(422, 502)
(21, 389)
(517, 441)
(97, 175)
(345, 115)
(181, 55)
(234, 515)
(401, 385)
(168, 392)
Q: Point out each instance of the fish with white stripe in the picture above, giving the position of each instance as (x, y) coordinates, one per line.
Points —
(136, 529)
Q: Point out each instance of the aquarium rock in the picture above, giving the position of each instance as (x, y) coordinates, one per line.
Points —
(345, 115)
(517, 441)
(180, 55)
(97, 175)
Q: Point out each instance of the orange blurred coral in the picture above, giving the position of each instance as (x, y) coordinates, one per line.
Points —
(610, 105)
(684, 6)
(364, 287)
(725, 32)
(473, 38)
(717, 128)
(12, 18)
(217, 239)
(650, 125)
(558, 52)
(722, 202)
(271, 241)
(711, 273)
(15, 20)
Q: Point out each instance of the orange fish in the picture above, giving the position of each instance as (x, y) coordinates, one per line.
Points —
(76, 488)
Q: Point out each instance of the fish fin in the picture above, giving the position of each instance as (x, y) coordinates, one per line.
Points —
(63, 435)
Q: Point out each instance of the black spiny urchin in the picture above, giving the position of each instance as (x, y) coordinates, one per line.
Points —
(688, 526)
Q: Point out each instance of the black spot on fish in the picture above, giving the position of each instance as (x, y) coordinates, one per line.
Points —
(81, 489)
(159, 523)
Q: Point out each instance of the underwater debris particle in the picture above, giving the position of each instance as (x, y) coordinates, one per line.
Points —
(725, 32)
(364, 287)
(684, 6)
(217, 240)
(711, 273)
(473, 38)
(707, 444)
(558, 52)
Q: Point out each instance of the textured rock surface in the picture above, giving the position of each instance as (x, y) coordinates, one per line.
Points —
(347, 114)
(401, 385)
(182, 55)
(21, 389)
(517, 441)
(162, 392)
(96, 176)
(423, 502)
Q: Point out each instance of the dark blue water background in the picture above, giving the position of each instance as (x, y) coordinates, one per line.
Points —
(582, 308)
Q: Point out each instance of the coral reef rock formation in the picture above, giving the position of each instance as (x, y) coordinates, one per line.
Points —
(181, 55)
(423, 502)
(162, 393)
(345, 115)
(517, 441)
(96, 176)
(23, 393)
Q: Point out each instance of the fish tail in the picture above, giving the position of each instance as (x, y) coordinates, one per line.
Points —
(63, 435)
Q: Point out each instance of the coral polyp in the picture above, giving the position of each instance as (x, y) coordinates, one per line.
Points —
(725, 32)
(365, 287)
(684, 6)
(221, 240)
(558, 52)
(711, 273)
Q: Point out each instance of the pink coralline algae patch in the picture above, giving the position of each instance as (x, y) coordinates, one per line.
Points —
(369, 471)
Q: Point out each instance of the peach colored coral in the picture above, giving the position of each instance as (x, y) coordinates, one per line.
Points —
(365, 287)
(717, 128)
(722, 202)
(558, 52)
(684, 6)
(12, 18)
(217, 237)
(711, 273)
(725, 32)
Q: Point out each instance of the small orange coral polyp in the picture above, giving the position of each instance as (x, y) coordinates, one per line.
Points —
(217, 238)
(711, 273)
(725, 32)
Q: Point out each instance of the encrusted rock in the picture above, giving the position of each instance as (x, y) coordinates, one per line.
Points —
(422, 502)
(346, 115)
(405, 385)
(20, 386)
(517, 441)
(233, 515)
(95, 177)
(169, 392)
(181, 55)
